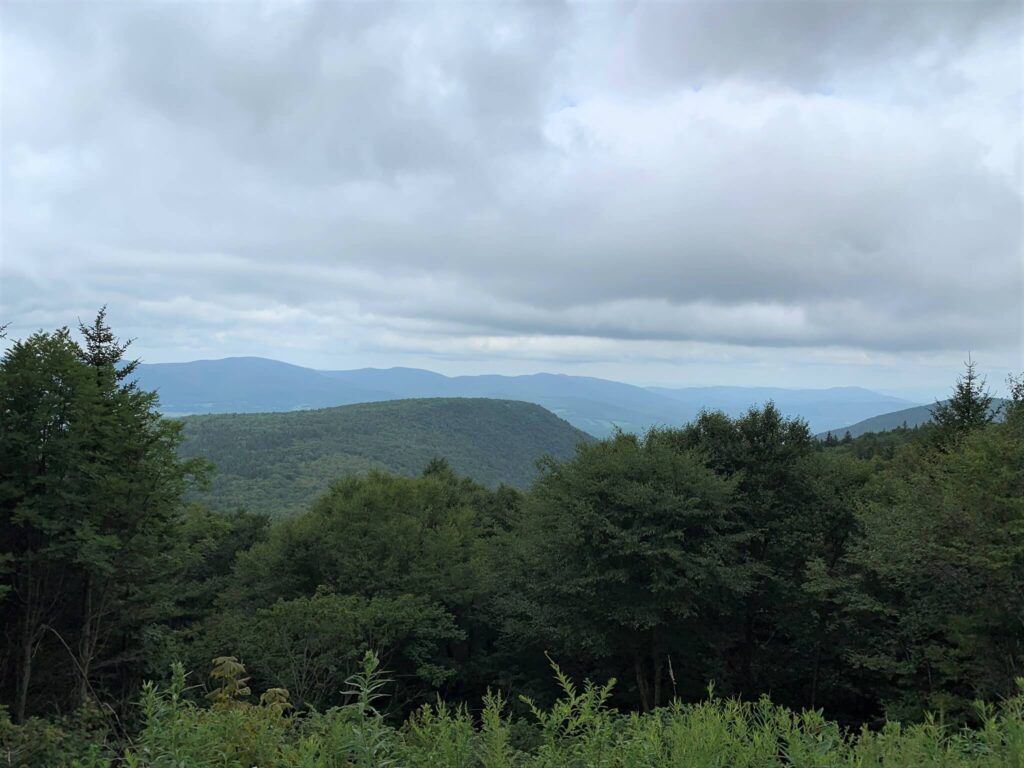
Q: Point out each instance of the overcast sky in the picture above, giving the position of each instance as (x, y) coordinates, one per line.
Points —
(797, 194)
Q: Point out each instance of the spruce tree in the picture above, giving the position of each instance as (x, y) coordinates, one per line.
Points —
(968, 409)
(43, 397)
(90, 493)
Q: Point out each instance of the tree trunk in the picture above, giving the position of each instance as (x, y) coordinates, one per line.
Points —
(31, 636)
(747, 650)
(32, 594)
(87, 643)
(657, 667)
(24, 677)
(815, 675)
(641, 682)
(658, 674)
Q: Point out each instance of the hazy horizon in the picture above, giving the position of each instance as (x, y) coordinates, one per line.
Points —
(791, 194)
(921, 395)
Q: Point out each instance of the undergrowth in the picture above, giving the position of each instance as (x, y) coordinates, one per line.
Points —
(580, 730)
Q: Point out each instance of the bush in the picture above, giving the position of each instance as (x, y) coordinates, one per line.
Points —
(578, 731)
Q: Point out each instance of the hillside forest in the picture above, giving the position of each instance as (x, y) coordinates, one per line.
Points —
(731, 591)
(277, 464)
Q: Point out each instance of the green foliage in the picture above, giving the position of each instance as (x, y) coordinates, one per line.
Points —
(864, 578)
(969, 409)
(90, 490)
(277, 463)
(399, 564)
(936, 582)
(578, 731)
(785, 508)
(376, 535)
(622, 552)
(83, 739)
(310, 646)
(881, 445)
(228, 671)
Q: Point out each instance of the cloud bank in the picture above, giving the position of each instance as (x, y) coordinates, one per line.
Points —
(790, 192)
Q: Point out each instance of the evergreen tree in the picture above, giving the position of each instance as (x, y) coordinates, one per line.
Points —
(90, 493)
(44, 393)
(968, 409)
(103, 351)
(932, 591)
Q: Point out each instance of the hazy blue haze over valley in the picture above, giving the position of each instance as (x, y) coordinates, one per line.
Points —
(596, 406)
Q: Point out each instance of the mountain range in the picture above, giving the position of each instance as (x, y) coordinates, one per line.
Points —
(596, 406)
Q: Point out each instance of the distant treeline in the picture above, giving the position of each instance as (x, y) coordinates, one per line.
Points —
(880, 577)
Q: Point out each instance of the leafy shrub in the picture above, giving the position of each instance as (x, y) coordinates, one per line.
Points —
(578, 731)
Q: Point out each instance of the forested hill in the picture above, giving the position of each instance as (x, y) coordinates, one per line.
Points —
(275, 463)
(908, 417)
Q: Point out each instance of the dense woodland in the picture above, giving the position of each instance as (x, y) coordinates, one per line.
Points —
(701, 568)
(277, 464)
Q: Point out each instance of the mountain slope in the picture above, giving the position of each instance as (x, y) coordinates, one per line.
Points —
(276, 463)
(911, 417)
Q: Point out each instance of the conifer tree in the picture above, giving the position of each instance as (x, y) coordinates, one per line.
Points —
(969, 408)
(90, 492)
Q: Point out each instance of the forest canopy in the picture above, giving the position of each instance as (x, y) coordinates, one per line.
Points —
(868, 579)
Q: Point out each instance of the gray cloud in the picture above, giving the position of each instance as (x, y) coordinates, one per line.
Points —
(339, 183)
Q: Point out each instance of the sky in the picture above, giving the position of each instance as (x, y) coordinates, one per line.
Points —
(801, 194)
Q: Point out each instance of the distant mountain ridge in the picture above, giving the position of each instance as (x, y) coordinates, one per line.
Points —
(245, 385)
(885, 422)
(277, 463)
(597, 406)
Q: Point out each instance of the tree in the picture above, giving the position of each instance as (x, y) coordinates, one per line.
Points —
(44, 394)
(90, 490)
(968, 409)
(622, 554)
(935, 588)
(1016, 387)
(103, 351)
(765, 454)
(816, 623)
(375, 535)
(384, 536)
(206, 546)
(132, 487)
(312, 645)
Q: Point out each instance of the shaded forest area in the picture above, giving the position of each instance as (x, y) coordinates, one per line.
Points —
(863, 581)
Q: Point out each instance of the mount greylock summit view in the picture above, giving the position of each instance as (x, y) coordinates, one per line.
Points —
(512, 385)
